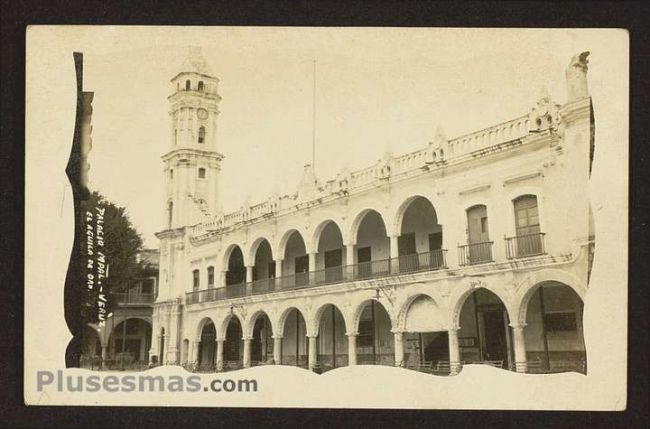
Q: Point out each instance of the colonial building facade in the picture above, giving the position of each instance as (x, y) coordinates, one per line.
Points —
(474, 249)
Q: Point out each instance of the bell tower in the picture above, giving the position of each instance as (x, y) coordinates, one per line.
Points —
(192, 164)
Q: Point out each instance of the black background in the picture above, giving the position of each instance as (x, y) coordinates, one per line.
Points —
(15, 16)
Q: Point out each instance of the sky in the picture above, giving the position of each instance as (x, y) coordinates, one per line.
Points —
(377, 90)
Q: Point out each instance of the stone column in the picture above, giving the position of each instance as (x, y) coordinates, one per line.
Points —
(399, 348)
(172, 347)
(247, 352)
(454, 352)
(277, 349)
(312, 352)
(249, 274)
(520, 348)
(195, 352)
(352, 349)
(219, 356)
(222, 280)
(394, 253)
(349, 260)
(278, 273)
(163, 339)
(312, 268)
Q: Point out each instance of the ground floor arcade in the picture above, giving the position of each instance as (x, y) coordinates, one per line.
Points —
(543, 334)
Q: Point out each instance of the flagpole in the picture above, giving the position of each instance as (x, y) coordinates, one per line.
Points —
(313, 121)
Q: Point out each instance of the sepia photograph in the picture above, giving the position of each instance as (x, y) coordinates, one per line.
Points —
(326, 217)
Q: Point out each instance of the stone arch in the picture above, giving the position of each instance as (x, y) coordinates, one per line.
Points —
(316, 236)
(228, 252)
(282, 319)
(223, 326)
(358, 310)
(458, 302)
(110, 327)
(533, 281)
(353, 229)
(400, 317)
(313, 324)
(398, 217)
(199, 327)
(252, 251)
(282, 243)
(250, 325)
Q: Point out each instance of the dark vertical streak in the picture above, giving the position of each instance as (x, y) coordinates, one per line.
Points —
(74, 277)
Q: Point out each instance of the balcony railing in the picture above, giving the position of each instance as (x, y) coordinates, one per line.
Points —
(475, 253)
(525, 245)
(134, 298)
(427, 261)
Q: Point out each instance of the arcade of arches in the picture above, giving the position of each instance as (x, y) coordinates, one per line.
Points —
(551, 340)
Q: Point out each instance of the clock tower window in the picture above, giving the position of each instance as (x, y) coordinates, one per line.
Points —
(202, 135)
(188, 85)
(200, 85)
(201, 173)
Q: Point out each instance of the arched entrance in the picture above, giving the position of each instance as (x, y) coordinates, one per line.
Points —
(294, 340)
(236, 274)
(264, 269)
(233, 350)
(420, 240)
(375, 343)
(425, 338)
(206, 352)
(485, 335)
(128, 344)
(262, 342)
(554, 331)
(295, 268)
(330, 255)
(332, 342)
(373, 247)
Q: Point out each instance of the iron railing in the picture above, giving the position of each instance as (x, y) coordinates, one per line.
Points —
(431, 260)
(525, 245)
(426, 261)
(134, 298)
(475, 253)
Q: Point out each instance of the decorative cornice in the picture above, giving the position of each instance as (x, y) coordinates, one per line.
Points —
(474, 189)
(521, 177)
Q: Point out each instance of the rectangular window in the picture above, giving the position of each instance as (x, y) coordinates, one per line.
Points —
(195, 279)
(526, 215)
(435, 241)
(302, 264)
(210, 277)
(201, 173)
(363, 255)
(147, 286)
(558, 322)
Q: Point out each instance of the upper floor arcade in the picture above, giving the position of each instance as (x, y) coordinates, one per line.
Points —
(370, 244)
